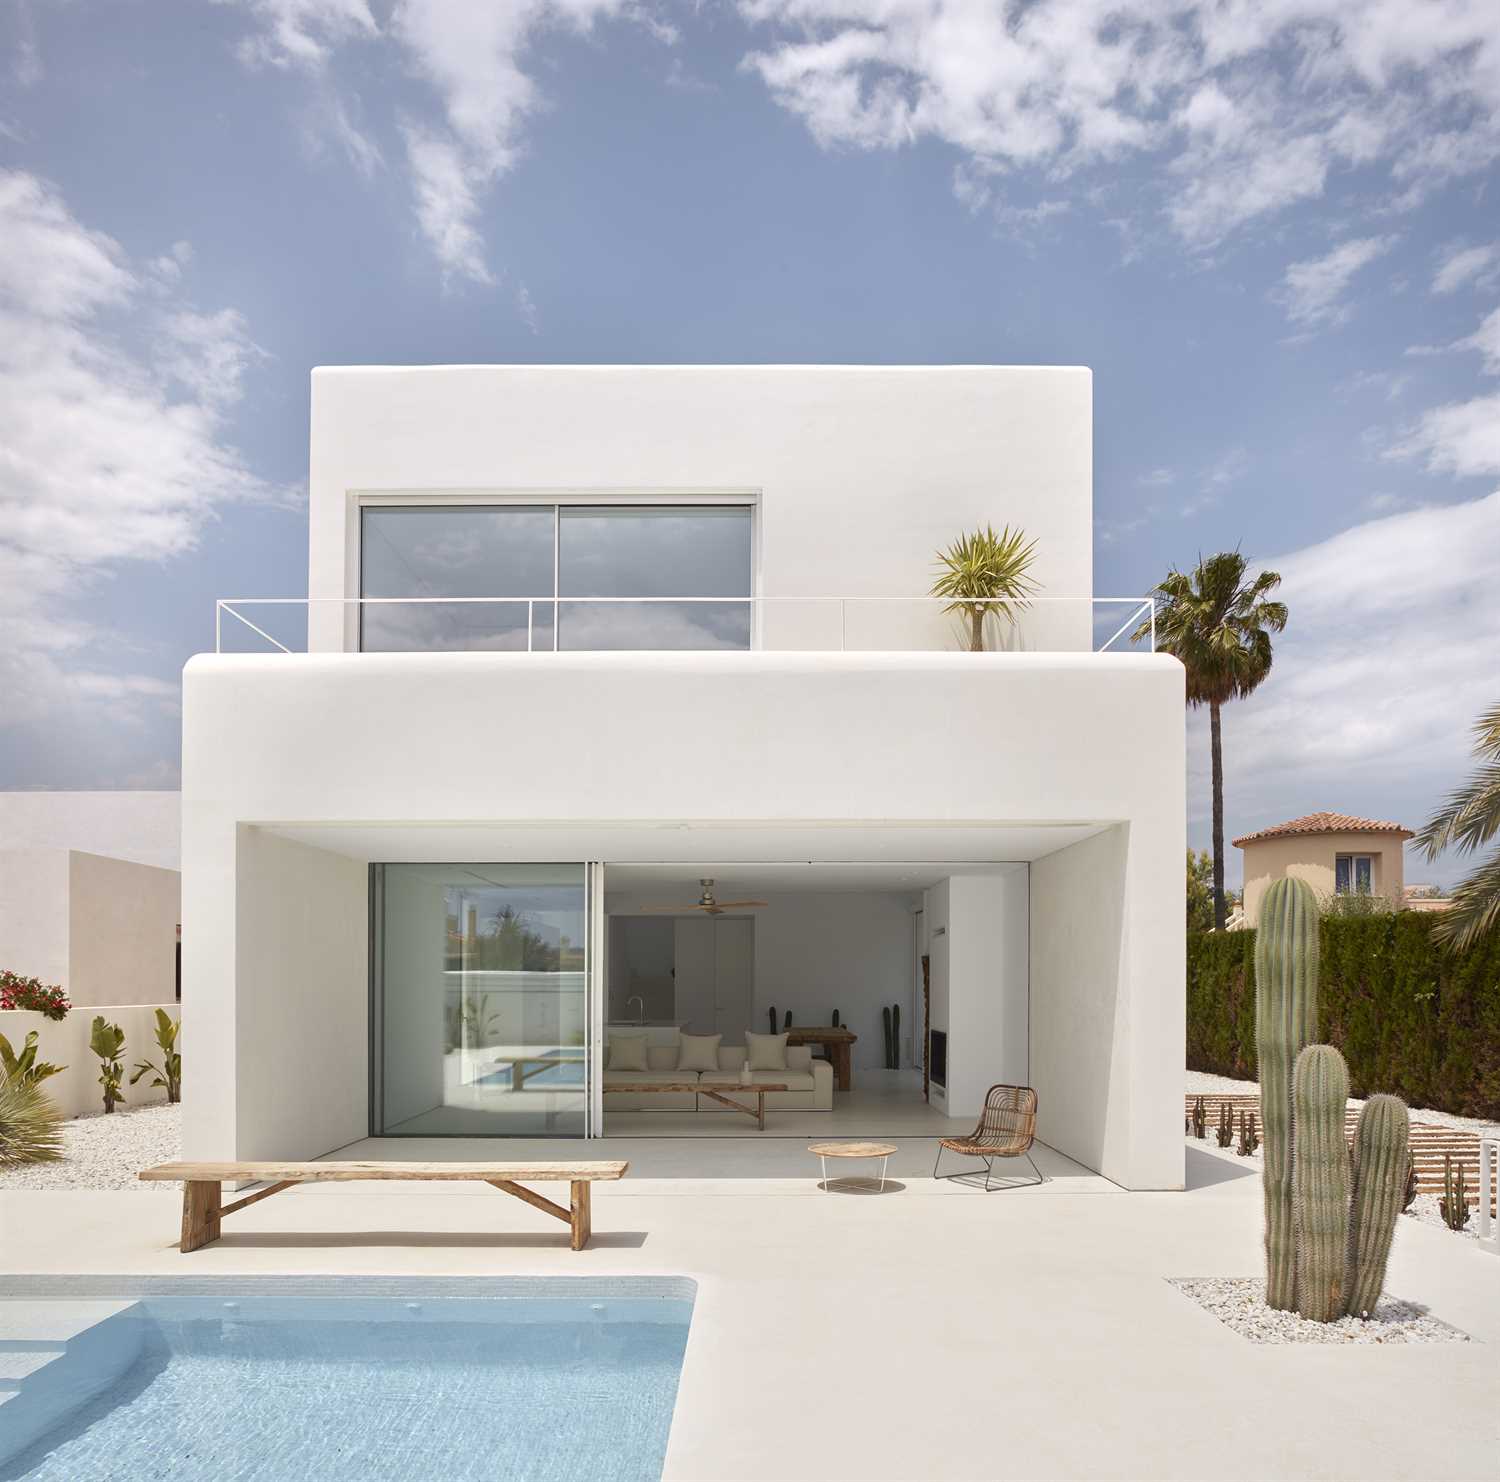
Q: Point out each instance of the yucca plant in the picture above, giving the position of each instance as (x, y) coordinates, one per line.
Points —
(30, 1124)
(984, 572)
(169, 1073)
(106, 1040)
(25, 1066)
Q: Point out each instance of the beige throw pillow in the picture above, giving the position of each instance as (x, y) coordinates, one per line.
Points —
(767, 1051)
(699, 1052)
(627, 1052)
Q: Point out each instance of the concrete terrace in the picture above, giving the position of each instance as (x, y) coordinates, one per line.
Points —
(932, 1332)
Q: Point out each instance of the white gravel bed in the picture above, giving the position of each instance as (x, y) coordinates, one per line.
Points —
(1201, 1083)
(1239, 1303)
(106, 1152)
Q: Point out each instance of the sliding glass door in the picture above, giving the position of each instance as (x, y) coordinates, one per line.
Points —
(481, 1000)
(440, 578)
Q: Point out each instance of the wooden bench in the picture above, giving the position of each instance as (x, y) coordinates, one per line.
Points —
(202, 1206)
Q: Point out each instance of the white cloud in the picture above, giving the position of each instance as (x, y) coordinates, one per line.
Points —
(1157, 478)
(1387, 658)
(1464, 265)
(109, 454)
(473, 56)
(1313, 291)
(1486, 340)
(1462, 438)
(1243, 106)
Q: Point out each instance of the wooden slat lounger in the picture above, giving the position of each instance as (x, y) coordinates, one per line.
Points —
(202, 1208)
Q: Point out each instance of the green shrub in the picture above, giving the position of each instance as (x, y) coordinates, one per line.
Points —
(1411, 1018)
(30, 1124)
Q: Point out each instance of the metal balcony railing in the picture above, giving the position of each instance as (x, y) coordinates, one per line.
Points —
(659, 624)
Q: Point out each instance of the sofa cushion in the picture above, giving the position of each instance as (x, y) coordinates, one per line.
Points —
(699, 1052)
(799, 1057)
(767, 1051)
(793, 1080)
(661, 1057)
(627, 1052)
(647, 1077)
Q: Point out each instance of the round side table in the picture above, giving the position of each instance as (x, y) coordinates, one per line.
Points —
(827, 1150)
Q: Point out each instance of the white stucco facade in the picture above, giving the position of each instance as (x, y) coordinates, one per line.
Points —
(302, 770)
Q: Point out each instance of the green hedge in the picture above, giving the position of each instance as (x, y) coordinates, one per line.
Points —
(1411, 1017)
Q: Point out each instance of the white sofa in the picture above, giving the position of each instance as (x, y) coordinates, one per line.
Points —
(811, 1082)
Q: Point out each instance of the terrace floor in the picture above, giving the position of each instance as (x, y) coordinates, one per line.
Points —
(932, 1332)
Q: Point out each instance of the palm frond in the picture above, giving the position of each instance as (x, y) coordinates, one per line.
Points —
(1468, 819)
(1475, 909)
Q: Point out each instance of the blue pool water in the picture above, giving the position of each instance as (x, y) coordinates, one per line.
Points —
(550, 1075)
(334, 1389)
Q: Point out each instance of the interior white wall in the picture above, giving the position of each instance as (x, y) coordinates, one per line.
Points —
(34, 913)
(820, 951)
(925, 452)
(122, 931)
(302, 1036)
(414, 944)
(988, 985)
(1105, 1049)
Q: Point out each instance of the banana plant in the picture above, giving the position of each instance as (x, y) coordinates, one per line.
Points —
(106, 1040)
(169, 1073)
(25, 1068)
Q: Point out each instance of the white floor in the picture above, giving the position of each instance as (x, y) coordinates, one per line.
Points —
(932, 1332)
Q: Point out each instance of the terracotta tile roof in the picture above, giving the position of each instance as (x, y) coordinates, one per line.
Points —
(1324, 823)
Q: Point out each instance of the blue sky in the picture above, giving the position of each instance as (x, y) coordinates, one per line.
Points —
(1272, 229)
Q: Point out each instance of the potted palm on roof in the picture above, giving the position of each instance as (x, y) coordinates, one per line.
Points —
(984, 572)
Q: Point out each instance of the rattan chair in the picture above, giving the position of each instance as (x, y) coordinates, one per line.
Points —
(1006, 1129)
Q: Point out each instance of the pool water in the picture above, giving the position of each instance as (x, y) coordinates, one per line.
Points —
(329, 1389)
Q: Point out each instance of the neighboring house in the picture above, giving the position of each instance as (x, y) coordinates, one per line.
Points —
(583, 636)
(1336, 853)
(90, 894)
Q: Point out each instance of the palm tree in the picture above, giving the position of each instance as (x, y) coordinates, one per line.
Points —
(1219, 625)
(1470, 818)
(986, 573)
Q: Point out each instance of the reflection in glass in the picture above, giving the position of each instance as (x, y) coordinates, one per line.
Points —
(499, 551)
(480, 1009)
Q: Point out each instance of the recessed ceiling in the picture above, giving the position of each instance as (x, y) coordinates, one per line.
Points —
(735, 881)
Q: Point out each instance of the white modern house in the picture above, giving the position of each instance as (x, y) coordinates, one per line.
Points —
(580, 639)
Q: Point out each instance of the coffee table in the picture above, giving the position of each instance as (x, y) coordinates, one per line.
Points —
(714, 1092)
(827, 1150)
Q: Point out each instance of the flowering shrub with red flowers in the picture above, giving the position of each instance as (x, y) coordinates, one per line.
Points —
(17, 992)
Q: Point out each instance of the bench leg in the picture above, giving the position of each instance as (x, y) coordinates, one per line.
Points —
(581, 1224)
(200, 1214)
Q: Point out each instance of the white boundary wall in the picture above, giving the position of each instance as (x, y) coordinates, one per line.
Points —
(65, 1042)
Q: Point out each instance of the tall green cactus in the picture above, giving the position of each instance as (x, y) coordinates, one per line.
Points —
(1286, 1019)
(1380, 1161)
(1320, 1181)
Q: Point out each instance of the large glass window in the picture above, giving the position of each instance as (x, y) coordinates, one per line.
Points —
(555, 576)
(480, 1006)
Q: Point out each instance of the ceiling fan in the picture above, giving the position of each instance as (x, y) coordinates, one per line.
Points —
(707, 902)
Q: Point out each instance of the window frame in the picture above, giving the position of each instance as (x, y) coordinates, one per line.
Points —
(1353, 886)
(358, 500)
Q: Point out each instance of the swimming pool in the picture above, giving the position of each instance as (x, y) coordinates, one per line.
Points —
(324, 1380)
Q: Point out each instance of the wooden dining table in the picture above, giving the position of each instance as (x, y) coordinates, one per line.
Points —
(837, 1042)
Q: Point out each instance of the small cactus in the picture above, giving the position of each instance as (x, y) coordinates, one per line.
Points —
(895, 1036)
(1320, 1181)
(1225, 1133)
(787, 1023)
(773, 1018)
(1409, 1192)
(885, 1023)
(1454, 1204)
(835, 1018)
(1381, 1159)
(1248, 1139)
(1200, 1119)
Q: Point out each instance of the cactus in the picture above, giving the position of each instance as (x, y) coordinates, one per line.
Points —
(1320, 1181)
(885, 1021)
(1200, 1120)
(1286, 1019)
(787, 1023)
(1409, 1191)
(1380, 1163)
(773, 1018)
(1248, 1140)
(1454, 1205)
(895, 1036)
(835, 1018)
(1225, 1134)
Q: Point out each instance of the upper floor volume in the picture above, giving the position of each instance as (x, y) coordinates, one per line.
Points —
(649, 508)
